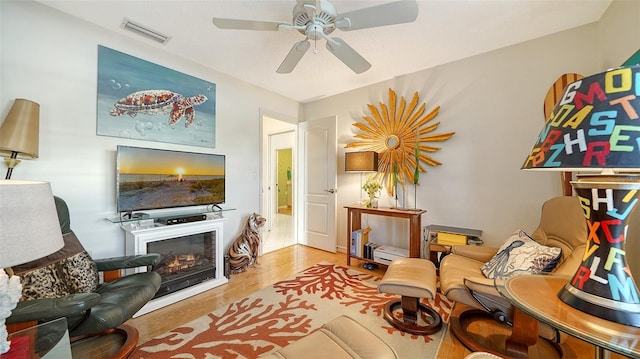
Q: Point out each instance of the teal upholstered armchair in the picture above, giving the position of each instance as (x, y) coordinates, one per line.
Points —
(66, 284)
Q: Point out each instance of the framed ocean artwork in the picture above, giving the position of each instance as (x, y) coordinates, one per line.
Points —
(141, 100)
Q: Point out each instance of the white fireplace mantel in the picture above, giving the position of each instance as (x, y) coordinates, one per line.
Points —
(139, 234)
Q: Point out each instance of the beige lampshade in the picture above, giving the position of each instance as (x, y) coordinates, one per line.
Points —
(29, 226)
(20, 130)
(366, 161)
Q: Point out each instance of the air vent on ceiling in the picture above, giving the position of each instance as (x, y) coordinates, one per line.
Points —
(145, 31)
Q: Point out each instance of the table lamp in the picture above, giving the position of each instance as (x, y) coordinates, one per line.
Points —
(595, 127)
(19, 133)
(29, 230)
(363, 161)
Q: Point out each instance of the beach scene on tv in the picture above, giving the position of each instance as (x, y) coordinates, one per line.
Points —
(150, 179)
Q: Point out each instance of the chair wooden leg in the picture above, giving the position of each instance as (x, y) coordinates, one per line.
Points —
(514, 344)
(130, 342)
(523, 335)
(412, 309)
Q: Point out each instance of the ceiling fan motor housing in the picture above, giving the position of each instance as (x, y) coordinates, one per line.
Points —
(315, 21)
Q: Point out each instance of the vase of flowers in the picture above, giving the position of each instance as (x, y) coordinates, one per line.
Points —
(372, 187)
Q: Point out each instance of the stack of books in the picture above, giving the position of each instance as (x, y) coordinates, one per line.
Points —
(368, 250)
(359, 240)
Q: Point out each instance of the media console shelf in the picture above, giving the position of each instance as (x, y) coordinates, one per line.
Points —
(354, 222)
(155, 216)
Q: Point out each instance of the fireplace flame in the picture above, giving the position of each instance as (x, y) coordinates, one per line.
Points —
(179, 262)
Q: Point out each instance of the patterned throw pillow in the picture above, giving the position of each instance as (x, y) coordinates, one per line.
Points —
(521, 253)
(67, 271)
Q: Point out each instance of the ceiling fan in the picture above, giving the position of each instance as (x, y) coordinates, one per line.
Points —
(316, 19)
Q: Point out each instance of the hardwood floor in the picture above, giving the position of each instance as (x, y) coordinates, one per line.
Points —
(280, 233)
(275, 266)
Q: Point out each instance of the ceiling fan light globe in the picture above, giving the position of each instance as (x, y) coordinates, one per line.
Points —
(315, 31)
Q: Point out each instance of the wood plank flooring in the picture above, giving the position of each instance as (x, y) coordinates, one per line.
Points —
(278, 265)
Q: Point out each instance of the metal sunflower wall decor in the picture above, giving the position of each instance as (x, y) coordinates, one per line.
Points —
(399, 133)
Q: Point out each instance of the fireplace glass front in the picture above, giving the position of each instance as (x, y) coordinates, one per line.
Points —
(186, 261)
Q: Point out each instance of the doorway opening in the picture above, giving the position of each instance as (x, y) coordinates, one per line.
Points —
(284, 185)
(278, 177)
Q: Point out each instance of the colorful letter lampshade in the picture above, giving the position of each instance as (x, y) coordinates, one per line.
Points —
(595, 127)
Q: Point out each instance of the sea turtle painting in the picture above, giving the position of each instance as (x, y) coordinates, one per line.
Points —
(158, 102)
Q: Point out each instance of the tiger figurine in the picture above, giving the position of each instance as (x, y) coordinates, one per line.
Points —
(243, 252)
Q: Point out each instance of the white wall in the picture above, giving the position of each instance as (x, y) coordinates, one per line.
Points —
(51, 58)
(618, 33)
(494, 103)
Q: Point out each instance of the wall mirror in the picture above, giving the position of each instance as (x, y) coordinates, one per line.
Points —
(401, 133)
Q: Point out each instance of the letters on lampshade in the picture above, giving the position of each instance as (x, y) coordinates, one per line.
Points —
(594, 125)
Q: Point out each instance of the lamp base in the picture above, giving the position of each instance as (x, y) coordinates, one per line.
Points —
(606, 309)
(603, 285)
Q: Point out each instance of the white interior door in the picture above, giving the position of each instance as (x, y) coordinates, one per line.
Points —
(317, 169)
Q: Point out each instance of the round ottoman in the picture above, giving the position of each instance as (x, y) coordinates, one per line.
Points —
(412, 279)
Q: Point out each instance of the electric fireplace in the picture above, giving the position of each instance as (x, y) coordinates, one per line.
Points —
(185, 261)
(192, 258)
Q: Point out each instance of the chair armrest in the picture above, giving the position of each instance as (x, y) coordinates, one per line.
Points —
(140, 260)
(479, 253)
(52, 308)
(481, 285)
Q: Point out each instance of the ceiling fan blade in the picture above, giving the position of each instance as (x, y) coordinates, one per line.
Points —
(346, 54)
(235, 24)
(293, 57)
(398, 12)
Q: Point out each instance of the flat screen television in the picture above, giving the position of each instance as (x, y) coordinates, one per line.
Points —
(150, 179)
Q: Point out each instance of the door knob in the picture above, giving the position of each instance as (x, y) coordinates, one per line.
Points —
(331, 190)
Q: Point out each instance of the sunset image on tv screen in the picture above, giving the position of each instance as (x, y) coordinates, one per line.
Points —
(153, 178)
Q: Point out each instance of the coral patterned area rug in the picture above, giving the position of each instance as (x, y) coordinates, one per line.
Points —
(273, 317)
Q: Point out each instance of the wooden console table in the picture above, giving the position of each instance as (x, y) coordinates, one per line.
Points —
(354, 222)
